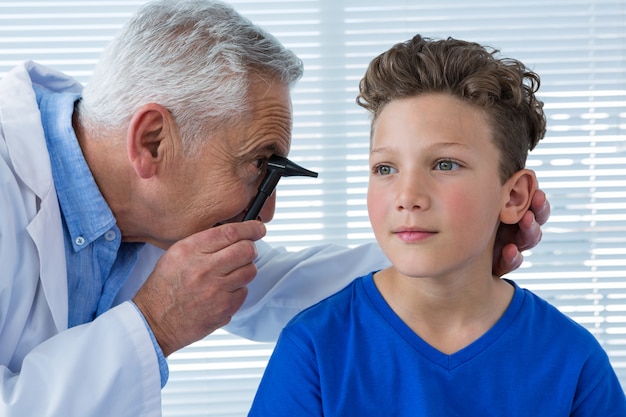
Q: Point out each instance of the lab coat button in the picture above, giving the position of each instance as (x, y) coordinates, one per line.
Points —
(110, 235)
(80, 241)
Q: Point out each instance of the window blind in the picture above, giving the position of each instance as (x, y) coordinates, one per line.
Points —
(577, 46)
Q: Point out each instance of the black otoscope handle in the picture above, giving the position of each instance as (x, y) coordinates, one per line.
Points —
(265, 190)
(277, 167)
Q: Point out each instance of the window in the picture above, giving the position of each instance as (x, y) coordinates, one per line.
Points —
(577, 46)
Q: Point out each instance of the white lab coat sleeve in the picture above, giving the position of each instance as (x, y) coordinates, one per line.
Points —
(288, 282)
(105, 368)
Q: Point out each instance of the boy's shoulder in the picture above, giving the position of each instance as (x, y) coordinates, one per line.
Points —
(334, 310)
(540, 317)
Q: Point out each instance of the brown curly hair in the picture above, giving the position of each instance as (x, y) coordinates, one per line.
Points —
(503, 88)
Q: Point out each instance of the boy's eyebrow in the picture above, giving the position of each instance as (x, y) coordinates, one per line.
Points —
(450, 145)
(438, 145)
(380, 149)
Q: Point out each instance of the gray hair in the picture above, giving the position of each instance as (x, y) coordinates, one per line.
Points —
(194, 57)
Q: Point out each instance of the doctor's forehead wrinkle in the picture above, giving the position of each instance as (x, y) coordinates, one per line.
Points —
(267, 149)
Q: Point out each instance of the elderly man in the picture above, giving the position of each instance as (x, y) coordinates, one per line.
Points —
(120, 234)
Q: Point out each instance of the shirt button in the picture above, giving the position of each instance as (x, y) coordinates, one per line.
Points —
(80, 241)
(109, 235)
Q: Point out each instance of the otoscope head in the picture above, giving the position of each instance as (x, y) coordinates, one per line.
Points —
(277, 167)
(287, 168)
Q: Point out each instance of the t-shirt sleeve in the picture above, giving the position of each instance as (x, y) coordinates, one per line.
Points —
(599, 391)
(291, 383)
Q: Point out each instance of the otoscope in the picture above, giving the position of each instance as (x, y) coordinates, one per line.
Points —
(277, 167)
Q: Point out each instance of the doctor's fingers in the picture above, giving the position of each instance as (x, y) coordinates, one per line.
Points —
(195, 255)
(212, 281)
(540, 206)
(230, 268)
(223, 236)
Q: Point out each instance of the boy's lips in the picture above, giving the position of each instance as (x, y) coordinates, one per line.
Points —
(413, 234)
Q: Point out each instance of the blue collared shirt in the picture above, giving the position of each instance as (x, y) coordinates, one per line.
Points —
(98, 262)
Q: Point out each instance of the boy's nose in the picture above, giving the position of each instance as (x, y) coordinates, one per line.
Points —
(411, 194)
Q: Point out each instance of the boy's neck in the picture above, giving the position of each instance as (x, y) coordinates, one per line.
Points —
(448, 314)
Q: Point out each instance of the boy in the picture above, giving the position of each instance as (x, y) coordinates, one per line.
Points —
(436, 334)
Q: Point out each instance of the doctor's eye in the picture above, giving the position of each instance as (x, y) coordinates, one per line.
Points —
(261, 164)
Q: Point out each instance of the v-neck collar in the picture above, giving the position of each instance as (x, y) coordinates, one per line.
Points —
(444, 360)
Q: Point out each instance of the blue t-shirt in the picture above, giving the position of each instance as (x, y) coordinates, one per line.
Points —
(351, 355)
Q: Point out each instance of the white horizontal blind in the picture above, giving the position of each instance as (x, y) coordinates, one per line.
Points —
(577, 46)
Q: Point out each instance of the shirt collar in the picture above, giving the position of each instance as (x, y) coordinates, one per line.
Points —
(86, 212)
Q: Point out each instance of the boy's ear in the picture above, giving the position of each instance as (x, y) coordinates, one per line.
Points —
(148, 133)
(520, 188)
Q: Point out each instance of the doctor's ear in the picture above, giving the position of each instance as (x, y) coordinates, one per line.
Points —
(518, 192)
(149, 132)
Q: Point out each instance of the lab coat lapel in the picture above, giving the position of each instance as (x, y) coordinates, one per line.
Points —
(21, 124)
(47, 233)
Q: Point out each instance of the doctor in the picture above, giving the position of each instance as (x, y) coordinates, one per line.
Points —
(120, 239)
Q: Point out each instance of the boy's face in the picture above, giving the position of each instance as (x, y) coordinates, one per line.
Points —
(434, 195)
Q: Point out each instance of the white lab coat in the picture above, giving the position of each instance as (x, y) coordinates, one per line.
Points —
(107, 367)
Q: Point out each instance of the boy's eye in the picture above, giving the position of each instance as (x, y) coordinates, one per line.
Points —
(384, 170)
(446, 165)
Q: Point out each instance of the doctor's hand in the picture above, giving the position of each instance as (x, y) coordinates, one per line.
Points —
(512, 239)
(199, 283)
